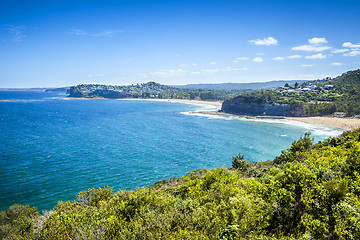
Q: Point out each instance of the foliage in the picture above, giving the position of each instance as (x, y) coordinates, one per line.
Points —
(151, 90)
(311, 191)
(345, 97)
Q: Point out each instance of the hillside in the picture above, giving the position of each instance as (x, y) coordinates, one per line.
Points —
(233, 86)
(150, 90)
(315, 98)
(311, 191)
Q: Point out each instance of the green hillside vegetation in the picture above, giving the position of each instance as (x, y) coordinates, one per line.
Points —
(150, 90)
(344, 97)
(310, 191)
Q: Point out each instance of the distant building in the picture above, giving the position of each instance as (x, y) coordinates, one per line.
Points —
(339, 114)
(328, 87)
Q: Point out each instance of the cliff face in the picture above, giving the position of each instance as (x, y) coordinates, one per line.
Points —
(239, 106)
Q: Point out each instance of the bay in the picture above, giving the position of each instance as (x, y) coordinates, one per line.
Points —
(52, 148)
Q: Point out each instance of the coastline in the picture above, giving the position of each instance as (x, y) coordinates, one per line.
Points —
(345, 123)
(188, 101)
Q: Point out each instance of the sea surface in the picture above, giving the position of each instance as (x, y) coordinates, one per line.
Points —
(52, 148)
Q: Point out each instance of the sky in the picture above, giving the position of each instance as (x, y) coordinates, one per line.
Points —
(63, 43)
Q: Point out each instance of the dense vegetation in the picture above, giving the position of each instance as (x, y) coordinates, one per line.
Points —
(151, 90)
(345, 97)
(310, 191)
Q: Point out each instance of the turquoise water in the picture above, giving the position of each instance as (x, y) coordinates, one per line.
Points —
(52, 148)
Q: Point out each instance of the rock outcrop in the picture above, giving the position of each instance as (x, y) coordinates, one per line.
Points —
(241, 107)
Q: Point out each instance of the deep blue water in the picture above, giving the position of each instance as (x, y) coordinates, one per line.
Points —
(52, 148)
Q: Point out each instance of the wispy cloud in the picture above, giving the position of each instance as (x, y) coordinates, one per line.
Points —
(311, 48)
(183, 65)
(209, 71)
(315, 45)
(294, 56)
(169, 73)
(308, 76)
(336, 64)
(16, 32)
(212, 63)
(339, 50)
(278, 58)
(77, 32)
(308, 65)
(95, 75)
(266, 41)
(108, 33)
(352, 53)
(103, 33)
(350, 45)
(234, 69)
(194, 64)
(316, 56)
(240, 59)
(258, 59)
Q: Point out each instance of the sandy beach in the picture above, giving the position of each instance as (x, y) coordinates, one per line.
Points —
(346, 123)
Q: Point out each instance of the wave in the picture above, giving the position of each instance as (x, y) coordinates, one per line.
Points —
(316, 129)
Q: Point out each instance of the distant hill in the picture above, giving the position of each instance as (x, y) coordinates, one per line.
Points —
(313, 98)
(233, 86)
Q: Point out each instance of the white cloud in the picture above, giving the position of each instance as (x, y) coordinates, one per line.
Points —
(316, 40)
(234, 69)
(311, 48)
(213, 63)
(95, 75)
(210, 71)
(16, 32)
(307, 76)
(315, 45)
(294, 56)
(258, 59)
(316, 56)
(108, 33)
(77, 32)
(239, 59)
(336, 64)
(352, 53)
(195, 73)
(278, 58)
(350, 45)
(183, 65)
(308, 65)
(169, 73)
(266, 41)
(194, 64)
(339, 50)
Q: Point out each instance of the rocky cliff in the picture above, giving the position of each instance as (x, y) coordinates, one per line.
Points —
(240, 106)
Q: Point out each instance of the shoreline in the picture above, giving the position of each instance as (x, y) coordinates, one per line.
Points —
(344, 123)
(188, 101)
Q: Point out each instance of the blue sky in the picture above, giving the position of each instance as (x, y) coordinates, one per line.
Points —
(61, 43)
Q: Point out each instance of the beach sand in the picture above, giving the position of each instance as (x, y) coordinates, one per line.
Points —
(346, 123)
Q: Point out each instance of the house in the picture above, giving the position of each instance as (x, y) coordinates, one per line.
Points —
(339, 114)
(328, 87)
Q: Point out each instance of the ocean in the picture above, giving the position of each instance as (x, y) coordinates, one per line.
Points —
(52, 148)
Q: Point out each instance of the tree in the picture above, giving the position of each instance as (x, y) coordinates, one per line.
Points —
(239, 162)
